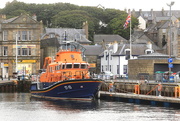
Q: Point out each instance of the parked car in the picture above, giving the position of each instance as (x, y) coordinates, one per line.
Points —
(23, 77)
(107, 74)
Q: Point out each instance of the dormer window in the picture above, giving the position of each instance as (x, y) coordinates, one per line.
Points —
(51, 35)
(149, 51)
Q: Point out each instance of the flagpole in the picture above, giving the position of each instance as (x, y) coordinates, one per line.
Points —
(130, 43)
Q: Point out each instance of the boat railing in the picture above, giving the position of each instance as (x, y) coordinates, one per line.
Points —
(81, 74)
(66, 75)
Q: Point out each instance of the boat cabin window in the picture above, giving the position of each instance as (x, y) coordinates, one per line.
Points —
(56, 67)
(76, 65)
(68, 66)
(50, 69)
(83, 66)
(59, 66)
(63, 66)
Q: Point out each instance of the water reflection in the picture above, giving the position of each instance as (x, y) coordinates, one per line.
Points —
(21, 107)
(68, 104)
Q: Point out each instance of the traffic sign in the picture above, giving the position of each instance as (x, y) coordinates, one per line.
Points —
(170, 65)
(170, 60)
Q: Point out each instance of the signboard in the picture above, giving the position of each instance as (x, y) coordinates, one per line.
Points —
(28, 61)
(25, 61)
(24, 46)
(92, 65)
(170, 65)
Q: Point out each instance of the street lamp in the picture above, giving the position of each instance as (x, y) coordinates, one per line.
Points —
(170, 5)
(16, 52)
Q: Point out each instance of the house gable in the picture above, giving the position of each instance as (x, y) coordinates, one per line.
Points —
(24, 19)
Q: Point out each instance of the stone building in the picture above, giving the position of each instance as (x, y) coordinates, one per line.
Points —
(92, 53)
(52, 38)
(20, 45)
(151, 63)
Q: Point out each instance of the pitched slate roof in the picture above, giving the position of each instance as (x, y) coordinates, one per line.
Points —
(71, 33)
(49, 42)
(150, 14)
(137, 49)
(93, 50)
(17, 17)
(108, 38)
(154, 56)
(10, 20)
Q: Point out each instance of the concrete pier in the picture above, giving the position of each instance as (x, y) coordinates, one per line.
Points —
(164, 94)
(14, 86)
(141, 97)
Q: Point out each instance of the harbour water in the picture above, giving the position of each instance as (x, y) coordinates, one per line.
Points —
(21, 107)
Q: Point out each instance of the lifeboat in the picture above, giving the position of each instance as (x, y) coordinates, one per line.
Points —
(66, 76)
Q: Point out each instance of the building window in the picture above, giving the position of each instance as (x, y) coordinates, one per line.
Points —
(29, 35)
(51, 35)
(5, 35)
(127, 54)
(19, 35)
(29, 51)
(19, 51)
(24, 51)
(24, 35)
(148, 52)
(164, 40)
(124, 69)
(117, 69)
(107, 55)
(5, 51)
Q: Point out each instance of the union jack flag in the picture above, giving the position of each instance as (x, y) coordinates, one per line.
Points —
(128, 20)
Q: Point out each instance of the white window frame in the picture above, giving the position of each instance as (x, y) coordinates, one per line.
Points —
(5, 35)
(24, 35)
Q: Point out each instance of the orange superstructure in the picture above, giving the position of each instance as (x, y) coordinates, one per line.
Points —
(68, 65)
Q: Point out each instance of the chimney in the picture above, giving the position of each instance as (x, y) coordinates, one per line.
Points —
(149, 45)
(34, 17)
(140, 12)
(163, 14)
(85, 27)
(2, 17)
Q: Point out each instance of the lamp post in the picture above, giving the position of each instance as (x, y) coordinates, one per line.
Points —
(16, 52)
(170, 5)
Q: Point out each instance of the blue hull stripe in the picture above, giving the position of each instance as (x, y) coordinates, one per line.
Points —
(51, 88)
(70, 89)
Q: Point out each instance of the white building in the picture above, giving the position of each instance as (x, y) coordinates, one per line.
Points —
(142, 23)
(115, 58)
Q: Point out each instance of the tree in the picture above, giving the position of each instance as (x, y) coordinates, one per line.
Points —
(115, 26)
(73, 19)
(73, 16)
